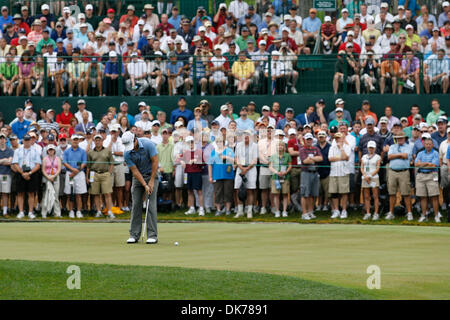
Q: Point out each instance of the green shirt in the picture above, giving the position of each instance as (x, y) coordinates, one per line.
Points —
(99, 161)
(242, 43)
(255, 116)
(408, 131)
(432, 117)
(42, 42)
(9, 70)
(335, 122)
(165, 156)
(280, 164)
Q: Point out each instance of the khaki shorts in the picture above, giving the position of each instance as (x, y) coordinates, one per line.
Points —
(118, 177)
(339, 185)
(5, 183)
(102, 184)
(399, 181)
(285, 187)
(324, 187)
(427, 185)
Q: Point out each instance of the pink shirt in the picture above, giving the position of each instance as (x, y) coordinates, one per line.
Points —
(50, 166)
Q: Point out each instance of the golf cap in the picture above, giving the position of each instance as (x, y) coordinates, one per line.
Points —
(370, 120)
(309, 136)
(339, 109)
(339, 101)
(350, 33)
(442, 119)
(89, 7)
(180, 124)
(97, 136)
(445, 4)
(409, 26)
(397, 123)
(289, 110)
(276, 53)
(426, 135)
(223, 107)
(114, 127)
(344, 10)
(203, 29)
(156, 123)
(423, 125)
(189, 139)
(66, 9)
(401, 7)
(123, 103)
(142, 104)
(265, 108)
(327, 19)
(417, 117)
(45, 7)
(51, 146)
(384, 120)
(384, 5)
(262, 42)
(279, 132)
(112, 54)
(403, 119)
(127, 140)
(322, 134)
(371, 144)
(292, 131)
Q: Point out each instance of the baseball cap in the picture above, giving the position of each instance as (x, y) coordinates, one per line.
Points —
(89, 7)
(308, 136)
(45, 7)
(417, 117)
(189, 139)
(223, 107)
(409, 26)
(426, 135)
(112, 54)
(127, 140)
(156, 123)
(442, 119)
(265, 108)
(97, 136)
(180, 124)
(384, 5)
(384, 120)
(322, 134)
(292, 131)
(279, 132)
(370, 120)
(289, 110)
(371, 144)
(339, 109)
(339, 101)
(403, 119)
(327, 19)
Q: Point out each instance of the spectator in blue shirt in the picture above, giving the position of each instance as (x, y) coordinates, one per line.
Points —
(412, 5)
(197, 21)
(244, 123)
(181, 111)
(311, 26)
(427, 179)
(124, 111)
(282, 7)
(308, 117)
(111, 79)
(197, 123)
(20, 127)
(5, 18)
(288, 116)
(175, 19)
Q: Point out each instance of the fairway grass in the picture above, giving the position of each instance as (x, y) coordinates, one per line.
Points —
(47, 280)
(413, 260)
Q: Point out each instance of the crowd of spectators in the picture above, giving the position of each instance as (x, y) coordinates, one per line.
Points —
(231, 51)
(242, 161)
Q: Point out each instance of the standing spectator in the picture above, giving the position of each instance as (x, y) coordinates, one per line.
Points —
(181, 111)
(238, 8)
(6, 157)
(444, 153)
(5, 18)
(192, 162)
(246, 161)
(352, 69)
(339, 184)
(221, 175)
(427, 178)
(323, 170)
(27, 163)
(63, 119)
(98, 175)
(280, 164)
(370, 165)
(309, 156)
(74, 160)
(51, 169)
(400, 156)
(435, 113)
(165, 152)
(197, 123)
(440, 135)
(20, 127)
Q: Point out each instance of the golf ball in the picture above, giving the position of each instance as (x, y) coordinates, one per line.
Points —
(176, 243)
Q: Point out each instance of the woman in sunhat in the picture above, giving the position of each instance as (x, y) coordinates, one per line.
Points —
(370, 165)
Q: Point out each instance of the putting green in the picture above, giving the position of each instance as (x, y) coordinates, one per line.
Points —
(413, 260)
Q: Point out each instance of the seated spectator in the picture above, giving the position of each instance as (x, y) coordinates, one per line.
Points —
(9, 73)
(174, 69)
(218, 67)
(277, 73)
(328, 34)
(137, 71)
(410, 73)
(243, 71)
(369, 68)
(390, 71)
(436, 71)
(111, 75)
(311, 28)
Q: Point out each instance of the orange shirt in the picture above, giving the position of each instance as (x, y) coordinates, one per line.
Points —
(385, 67)
(371, 114)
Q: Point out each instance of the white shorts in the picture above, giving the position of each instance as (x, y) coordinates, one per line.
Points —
(251, 179)
(179, 177)
(5, 183)
(79, 183)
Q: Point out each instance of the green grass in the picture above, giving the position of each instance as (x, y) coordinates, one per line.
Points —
(413, 260)
(47, 280)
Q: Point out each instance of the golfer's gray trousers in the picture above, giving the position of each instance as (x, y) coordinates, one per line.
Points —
(137, 194)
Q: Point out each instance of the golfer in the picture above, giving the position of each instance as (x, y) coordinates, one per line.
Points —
(142, 159)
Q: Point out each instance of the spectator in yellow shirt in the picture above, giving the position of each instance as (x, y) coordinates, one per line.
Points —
(243, 71)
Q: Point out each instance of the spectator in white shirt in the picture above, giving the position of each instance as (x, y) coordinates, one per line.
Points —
(137, 70)
(343, 21)
(384, 9)
(238, 8)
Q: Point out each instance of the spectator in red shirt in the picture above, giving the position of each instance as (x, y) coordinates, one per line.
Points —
(221, 15)
(357, 22)
(349, 39)
(265, 36)
(275, 113)
(290, 42)
(63, 119)
(203, 37)
(328, 31)
(20, 24)
(130, 15)
(165, 25)
(367, 113)
(414, 110)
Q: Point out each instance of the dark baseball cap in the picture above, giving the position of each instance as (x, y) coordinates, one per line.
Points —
(26, 137)
(321, 101)
(333, 129)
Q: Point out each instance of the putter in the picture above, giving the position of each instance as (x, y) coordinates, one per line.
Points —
(145, 220)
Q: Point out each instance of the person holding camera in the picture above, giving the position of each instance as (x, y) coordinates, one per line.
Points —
(27, 163)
